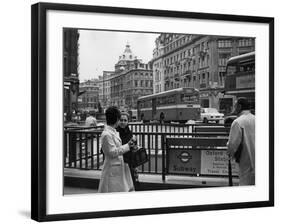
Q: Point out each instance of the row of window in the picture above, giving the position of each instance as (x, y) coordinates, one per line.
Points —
(190, 52)
(241, 43)
(136, 75)
(105, 91)
(203, 77)
(137, 66)
(143, 83)
(245, 42)
(90, 99)
(190, 66)
(182, 55)
(224, 43)
(177, 43)
(138, 83)
(222, 61)
(89, 88)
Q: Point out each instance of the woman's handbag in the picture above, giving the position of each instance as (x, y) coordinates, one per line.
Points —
(139, 157)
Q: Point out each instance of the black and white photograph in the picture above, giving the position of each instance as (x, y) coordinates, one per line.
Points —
(140, 112)
(137, 111)
(157, 111)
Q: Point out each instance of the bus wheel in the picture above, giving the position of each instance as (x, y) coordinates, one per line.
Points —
(162, 117)
(205, 120)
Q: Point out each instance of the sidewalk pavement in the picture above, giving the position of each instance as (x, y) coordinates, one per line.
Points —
(86, 181)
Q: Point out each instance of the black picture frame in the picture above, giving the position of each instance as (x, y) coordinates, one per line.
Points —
(39, 109)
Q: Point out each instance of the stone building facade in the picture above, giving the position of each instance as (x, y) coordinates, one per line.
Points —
(105, 89)
(70, 71)
(88, 99)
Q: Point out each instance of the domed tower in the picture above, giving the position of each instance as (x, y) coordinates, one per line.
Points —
(125, 59)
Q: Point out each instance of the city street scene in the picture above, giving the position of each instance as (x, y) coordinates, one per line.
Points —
(157, 111)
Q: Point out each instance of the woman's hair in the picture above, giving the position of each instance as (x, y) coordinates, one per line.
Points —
(126, 114)
(112, 115)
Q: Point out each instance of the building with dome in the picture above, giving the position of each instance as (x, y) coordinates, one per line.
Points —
(132, 78)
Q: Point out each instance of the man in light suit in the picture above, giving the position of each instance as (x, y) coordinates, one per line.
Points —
(241, 144)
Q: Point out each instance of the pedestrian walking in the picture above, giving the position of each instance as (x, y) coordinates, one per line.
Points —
(91, 120)
(241, 144)
(115, 176)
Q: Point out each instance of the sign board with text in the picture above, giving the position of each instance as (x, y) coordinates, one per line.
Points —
(204, 162)
(215, 162)
(184, 161)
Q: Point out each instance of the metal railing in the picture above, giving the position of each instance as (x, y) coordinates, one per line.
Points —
(82, 145)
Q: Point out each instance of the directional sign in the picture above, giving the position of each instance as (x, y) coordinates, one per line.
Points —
(215, 162)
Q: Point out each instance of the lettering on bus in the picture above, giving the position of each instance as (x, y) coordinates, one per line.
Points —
(247, 81)
(189, 99)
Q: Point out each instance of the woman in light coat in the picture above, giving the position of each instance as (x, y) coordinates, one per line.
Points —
(115, 176)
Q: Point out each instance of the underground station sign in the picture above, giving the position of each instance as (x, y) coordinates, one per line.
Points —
(204, 162)
(184, 161)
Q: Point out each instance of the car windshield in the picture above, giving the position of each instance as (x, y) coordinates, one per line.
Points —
(211, 110)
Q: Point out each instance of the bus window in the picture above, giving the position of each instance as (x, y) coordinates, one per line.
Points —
(231, 69)
(171, 99)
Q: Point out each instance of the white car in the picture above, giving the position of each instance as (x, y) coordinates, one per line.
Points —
(211, 114)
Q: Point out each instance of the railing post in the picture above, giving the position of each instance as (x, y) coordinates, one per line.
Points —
(230, 173)
(98, 151)
(143, 145)
(92, 151)
(65, 148)
(80, 150)
(72, 148)
(156, 152)
(149, 147)
(163, 145)
(86, 151)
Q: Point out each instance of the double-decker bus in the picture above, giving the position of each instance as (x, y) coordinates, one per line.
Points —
(179, 105)
(240, 78)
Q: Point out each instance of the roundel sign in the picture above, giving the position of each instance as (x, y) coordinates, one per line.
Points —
(185, 157)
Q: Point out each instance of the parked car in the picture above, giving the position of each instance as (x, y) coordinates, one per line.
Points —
(229, 119)
(211, 114)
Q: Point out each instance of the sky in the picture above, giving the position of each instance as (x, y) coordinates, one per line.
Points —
(100, 50)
